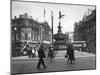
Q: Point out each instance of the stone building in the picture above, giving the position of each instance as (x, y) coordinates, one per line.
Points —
(24, 28)
(85, 30)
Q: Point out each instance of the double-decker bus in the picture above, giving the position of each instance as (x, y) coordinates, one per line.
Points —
(79, 45)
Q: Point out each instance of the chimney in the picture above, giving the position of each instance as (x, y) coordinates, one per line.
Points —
(31, 17)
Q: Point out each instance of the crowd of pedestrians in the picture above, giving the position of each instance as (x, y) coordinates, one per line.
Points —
(49, 54)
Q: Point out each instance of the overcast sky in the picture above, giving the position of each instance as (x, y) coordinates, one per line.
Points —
(73, 13)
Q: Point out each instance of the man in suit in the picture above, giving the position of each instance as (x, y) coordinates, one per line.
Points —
(41, 55)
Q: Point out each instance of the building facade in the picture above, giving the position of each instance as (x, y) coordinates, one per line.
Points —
(24, 28)
(85, 30)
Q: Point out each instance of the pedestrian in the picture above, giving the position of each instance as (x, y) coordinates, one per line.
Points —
(41, 55)
(29, 50)
(50, 53)
(70, 54)
(66, 55)
(33, 52)
(46, 52)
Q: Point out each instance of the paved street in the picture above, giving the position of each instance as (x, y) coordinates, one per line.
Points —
(26, 65)
(77, 54)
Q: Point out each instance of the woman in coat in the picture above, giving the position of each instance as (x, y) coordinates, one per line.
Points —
(70, 53)
(41, 55)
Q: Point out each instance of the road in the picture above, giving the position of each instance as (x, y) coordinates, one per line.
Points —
(83, 61)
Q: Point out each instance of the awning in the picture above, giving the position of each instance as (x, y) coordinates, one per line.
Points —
(46, 42)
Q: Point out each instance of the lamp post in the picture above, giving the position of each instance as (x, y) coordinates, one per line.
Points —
(52, 26)
(15, 30)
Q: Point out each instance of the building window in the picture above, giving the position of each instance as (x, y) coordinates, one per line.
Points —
(26, 36)
(13, 37)
(37, 38)
(32, 36)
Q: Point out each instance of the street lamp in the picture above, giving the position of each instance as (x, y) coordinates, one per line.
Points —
(15, 30)
(52, 26)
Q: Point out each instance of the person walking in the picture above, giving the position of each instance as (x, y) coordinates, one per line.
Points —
(70, 53)
(41, 55)
(29, 50)
(50, 54)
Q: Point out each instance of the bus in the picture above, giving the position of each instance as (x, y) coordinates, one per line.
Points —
(79, 45)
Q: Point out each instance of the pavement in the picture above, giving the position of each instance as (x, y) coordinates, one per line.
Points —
(83, 61)
(59, 55)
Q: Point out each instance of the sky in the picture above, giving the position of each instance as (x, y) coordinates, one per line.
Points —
(73, 13)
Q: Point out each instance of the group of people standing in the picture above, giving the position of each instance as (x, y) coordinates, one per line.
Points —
(26, 49)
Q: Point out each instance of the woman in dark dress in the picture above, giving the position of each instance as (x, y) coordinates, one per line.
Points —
(70, 53)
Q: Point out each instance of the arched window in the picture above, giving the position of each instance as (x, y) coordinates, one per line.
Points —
(26, 36)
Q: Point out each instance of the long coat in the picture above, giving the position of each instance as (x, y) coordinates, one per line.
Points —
(50, 53)
(70, 53)
(41, 53)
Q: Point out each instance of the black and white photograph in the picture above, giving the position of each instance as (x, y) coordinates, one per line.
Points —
(52, 37)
